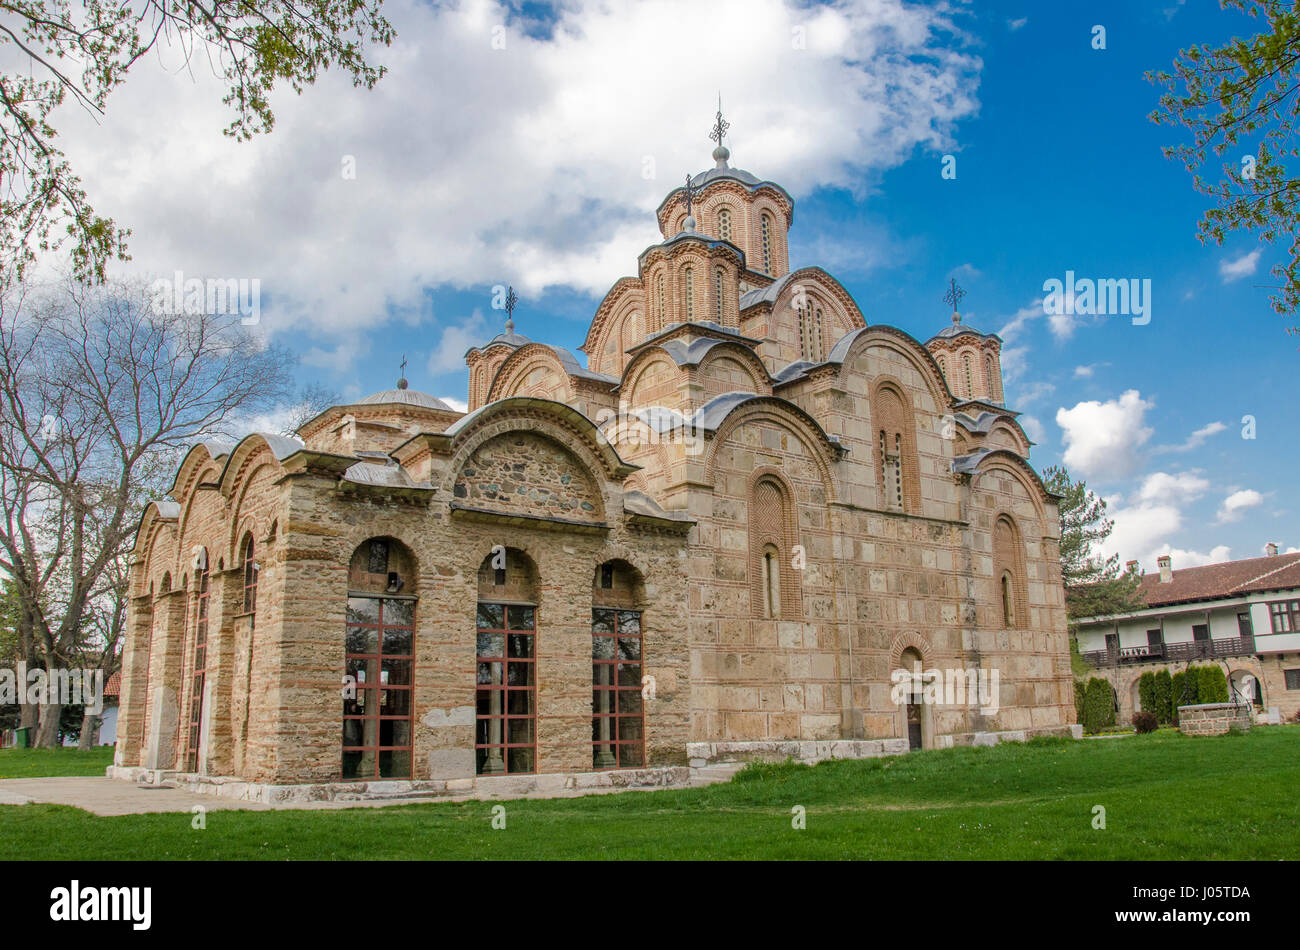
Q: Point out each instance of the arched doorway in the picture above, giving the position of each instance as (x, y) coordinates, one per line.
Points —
(617, 663)
(1244, 686)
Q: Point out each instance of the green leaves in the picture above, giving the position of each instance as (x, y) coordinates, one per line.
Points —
(255, 47)
(1244, 96)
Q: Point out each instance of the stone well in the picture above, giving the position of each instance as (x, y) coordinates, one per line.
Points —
(1213, 719)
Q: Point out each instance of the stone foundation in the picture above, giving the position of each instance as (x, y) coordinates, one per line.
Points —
(702, 754)
(1213, 719)
(481, 786)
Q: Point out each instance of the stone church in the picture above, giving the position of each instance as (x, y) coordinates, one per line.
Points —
(715, 540)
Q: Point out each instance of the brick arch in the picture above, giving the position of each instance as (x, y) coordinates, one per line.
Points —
(909, 639)
(771, 519)
(1002, 461)
(892, 412)
(641, 364)
(793, 419)
(1008, 548)
(910, 349)
(514, 369)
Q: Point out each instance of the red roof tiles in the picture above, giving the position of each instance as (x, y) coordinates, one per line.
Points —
(1229, 579)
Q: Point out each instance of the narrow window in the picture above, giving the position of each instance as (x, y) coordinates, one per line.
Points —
(891, 469)
(771, 583)
(617, 710)
(988, 377)
(718, 278)
(767, 243)
(377, 707)
(1008, 613)
(688, 276)
(898, 470)
(970, 383)
(817, 326)
(659, 293)
(803, 334)
(724, 224)
(250, 577)
(607, 576)
(943, 367)
(199, 667)
(506, 720)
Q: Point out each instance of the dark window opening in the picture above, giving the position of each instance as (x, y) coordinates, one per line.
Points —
(617, 705)
(505, 737)
(377, 716)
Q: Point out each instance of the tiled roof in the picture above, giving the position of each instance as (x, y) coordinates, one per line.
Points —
(1229, 579)
(114, 685)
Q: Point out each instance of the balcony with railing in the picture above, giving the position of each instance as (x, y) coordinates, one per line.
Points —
(1172, 652)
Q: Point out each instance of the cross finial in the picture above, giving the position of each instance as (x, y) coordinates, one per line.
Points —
(720, 127)
(512, 300)
(401, 382)
(690, 195)
(953, 297)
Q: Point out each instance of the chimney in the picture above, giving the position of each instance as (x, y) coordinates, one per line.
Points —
(1130, 567)
(1270, 549)
(1166, 565)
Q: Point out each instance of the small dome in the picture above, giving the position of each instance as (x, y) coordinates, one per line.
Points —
(409, 397)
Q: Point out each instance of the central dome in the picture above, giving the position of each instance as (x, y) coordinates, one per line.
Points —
(409, 397)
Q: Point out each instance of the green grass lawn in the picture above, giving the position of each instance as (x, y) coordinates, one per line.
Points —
(1166, 797)
(34, 763)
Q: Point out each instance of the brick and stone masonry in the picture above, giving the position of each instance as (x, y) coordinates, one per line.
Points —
(796, 503)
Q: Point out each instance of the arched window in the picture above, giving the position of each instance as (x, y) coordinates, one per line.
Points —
(818, 352)
(990, 377)
(1009, 569)
(943, 367)
(617, 662)
(719, 279)
(688, 292)
(505, 728)
(379, 662)
(970, 380)
(724, 224)
(766, 228)
(250, 575)
(659, 301)
(803, 333)
(198, 668)
(896, 459)
(774, 586)
(915, 697)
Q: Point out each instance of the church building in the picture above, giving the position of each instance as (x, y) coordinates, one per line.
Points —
(716, 537)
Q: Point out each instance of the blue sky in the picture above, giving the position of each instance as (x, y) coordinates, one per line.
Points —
(525, 165)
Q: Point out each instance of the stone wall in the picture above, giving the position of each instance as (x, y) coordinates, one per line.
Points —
(1214, 719)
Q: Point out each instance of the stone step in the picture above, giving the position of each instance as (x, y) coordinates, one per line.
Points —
(718, 772)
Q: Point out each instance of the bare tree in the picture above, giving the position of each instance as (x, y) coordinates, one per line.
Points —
(98, 391)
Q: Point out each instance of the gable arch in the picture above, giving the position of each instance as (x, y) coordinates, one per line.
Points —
(652, 359)
(1004, 462)
(513, 372)
(848, 348)
(780, 412)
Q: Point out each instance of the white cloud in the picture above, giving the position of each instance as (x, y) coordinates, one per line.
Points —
(1017, 23)
(1013, 348)
(1033, 428)
(1180, 558)
(1237, 503)
(1159, 487)
(1104, 439)
(449, 355)
(1088, 370)
(528, 164)
(1239, 267)
(1029, 393)
(459, 405)
(1195, 440)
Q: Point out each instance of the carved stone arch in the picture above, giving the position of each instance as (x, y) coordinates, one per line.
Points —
(894, 443)
(795, 420)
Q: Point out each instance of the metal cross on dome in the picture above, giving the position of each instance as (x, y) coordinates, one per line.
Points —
(511, 301)
(690, 194)
(403, 364)
(954, 294)
(721, 126)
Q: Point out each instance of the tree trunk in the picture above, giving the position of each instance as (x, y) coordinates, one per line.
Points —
(47, 733)
(27, 714)
(90, 724)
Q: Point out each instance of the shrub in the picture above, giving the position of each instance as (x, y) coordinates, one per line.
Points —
(1164, 696)
(1078, 700)
(1212, 685)
(1098, 706)
(1145, 722)
(1147, 692)
(1176, 684)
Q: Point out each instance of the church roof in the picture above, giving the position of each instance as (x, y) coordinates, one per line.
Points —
(960, 329)
(408, 397)
(768, 294)
(724, 172)
(510, 338)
